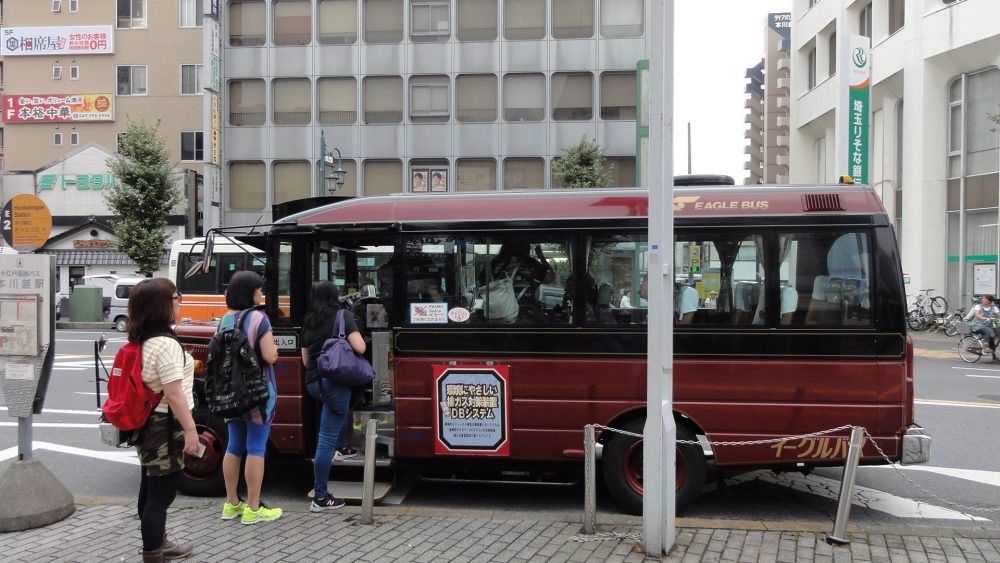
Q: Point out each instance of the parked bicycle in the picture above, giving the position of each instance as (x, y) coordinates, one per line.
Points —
(927, 311)
(972, 346)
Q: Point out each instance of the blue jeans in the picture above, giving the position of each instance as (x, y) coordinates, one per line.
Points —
(335, 400)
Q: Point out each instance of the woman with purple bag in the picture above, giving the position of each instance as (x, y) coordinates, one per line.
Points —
(335, 400)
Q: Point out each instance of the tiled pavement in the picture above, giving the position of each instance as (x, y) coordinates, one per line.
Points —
(109, 533)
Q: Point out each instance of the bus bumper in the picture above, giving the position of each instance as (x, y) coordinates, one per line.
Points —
(916, 446)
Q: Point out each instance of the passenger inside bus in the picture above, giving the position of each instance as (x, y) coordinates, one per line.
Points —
(528, 273)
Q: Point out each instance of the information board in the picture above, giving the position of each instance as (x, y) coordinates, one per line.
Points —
(20, 317)
(473, 406)
(984, 279)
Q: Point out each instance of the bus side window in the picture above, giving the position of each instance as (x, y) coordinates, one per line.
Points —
(719, 279)
(613, 292)
(830, 273)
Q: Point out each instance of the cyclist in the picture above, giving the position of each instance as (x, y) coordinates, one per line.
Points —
(981, 316)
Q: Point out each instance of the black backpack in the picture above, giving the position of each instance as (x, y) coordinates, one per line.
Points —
(235, 382)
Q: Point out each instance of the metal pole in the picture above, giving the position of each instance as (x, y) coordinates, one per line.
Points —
(368, 485)
(839, 535)
(589, 480)
(689, 147)
(660, 431)
(97, 372)
(24, 439)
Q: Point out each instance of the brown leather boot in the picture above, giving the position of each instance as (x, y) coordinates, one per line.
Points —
(155, 556)
(172, 550)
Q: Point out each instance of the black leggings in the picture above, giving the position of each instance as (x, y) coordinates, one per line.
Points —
(155, 496)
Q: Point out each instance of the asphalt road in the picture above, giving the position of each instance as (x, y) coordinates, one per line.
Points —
(959, 405)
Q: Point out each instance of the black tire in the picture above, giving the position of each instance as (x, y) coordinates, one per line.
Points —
(624, 478)
(939, 306)
(970, 349)
(915, 320)
(203, 477)
(951, 324)
(120, 323)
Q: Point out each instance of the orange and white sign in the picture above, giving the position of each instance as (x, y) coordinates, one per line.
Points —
(26, 222)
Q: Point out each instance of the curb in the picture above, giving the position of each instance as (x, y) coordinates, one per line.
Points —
(104, 325)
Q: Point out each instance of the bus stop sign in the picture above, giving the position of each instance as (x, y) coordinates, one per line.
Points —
(473, 406)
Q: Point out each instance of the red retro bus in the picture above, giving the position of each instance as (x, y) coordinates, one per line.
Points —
(501, 323)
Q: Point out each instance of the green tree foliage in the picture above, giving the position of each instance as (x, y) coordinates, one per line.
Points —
(582, 166)
(146, 197)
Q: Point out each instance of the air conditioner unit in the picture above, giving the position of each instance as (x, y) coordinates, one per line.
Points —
(56, 5)
(57, 73)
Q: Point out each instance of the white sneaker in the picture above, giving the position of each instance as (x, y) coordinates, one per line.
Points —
(347, 452)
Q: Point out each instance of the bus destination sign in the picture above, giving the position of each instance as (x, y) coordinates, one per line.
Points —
(472, 410)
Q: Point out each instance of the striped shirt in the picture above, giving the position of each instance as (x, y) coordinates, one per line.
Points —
(164, 361)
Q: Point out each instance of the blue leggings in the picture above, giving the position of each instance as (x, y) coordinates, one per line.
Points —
(247, 437)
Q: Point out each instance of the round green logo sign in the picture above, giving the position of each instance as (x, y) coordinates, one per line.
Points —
(860, 57)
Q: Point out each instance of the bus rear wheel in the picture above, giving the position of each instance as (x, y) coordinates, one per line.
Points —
(622, 468)
(203, 477)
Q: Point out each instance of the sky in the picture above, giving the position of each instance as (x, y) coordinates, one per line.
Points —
(715, 41)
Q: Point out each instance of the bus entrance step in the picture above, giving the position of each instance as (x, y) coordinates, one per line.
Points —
(359, 461)
(350, 491)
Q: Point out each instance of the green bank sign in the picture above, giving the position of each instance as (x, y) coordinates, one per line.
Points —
(857, 103)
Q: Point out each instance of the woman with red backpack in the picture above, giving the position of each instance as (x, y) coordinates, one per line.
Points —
(153, 307)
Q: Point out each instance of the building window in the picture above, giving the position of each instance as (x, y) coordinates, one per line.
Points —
(192, 146)
(383, 21)
(865, 21)
(618, 95)
(897, 15)
(476, 98)
(572, 96)
(572, 19)
(57, 73)
(981, 139)
(192, 13)
(429, 99)
(337, 101)
(247, 23)
(292, 180)
(622, 170)
(428, 176)
(523, 174)
(338, 22)
(74, 138)
(383, 177)
(524, 97)
(477, 20)
(292, 22)
(811, 69)
(476, 174)
(524, 19)
(74, 6)
(56, 5)
(621, 18)
(131, 14)
(290, 98)
(74, 72)
(832, 53)
(132, 80)
(190, 80)
(247, 185)
(430, 21)
(383, 99)
(247, 102)
(57, 139)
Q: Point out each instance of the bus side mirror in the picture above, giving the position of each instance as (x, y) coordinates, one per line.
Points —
(196, 269)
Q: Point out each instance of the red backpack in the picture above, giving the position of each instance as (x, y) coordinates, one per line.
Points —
(130, 401)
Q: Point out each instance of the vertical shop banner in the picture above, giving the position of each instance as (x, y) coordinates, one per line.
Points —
(473, 410)
(215, 115)
(856, 102)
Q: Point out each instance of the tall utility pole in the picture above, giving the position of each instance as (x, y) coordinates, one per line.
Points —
(660, 432)
(689, 147)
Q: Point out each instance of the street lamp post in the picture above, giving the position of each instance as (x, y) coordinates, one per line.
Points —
(335, 180)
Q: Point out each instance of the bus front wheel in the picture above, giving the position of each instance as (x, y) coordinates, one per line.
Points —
(203, 477)
(622, 468)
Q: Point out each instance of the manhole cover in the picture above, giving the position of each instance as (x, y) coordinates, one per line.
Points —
(995, 398)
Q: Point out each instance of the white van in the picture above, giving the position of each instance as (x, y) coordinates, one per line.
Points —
(119, 301)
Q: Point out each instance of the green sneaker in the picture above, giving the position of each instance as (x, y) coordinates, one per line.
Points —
(262, 514)
(230, 511)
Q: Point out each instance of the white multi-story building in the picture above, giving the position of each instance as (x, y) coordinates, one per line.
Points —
(422, 95)
(934, 156)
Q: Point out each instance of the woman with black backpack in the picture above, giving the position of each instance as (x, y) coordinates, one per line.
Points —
(318, 326)
(248, 434)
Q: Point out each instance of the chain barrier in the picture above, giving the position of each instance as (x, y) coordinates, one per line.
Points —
(735, 443)
(895, 466)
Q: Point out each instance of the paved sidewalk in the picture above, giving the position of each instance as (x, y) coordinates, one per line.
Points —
(109, 533)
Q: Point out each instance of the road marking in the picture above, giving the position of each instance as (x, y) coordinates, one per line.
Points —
(88, 340)
(974, 369)
(129, 456)
(91, 393)
(61, 411)
(983, 376)
(976, 475)
(937, 354)
(52, 425)
(947, 403)
(865, 497)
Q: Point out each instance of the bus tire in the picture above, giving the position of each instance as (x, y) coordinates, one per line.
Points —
(203, 477)
(621, 465)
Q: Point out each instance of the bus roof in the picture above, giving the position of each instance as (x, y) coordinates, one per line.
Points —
(616, 203)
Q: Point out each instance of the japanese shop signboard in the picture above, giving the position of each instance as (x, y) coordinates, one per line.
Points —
(26, 222)
(65, 40)
(44, 108)
(473, 407)
(855, 101)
